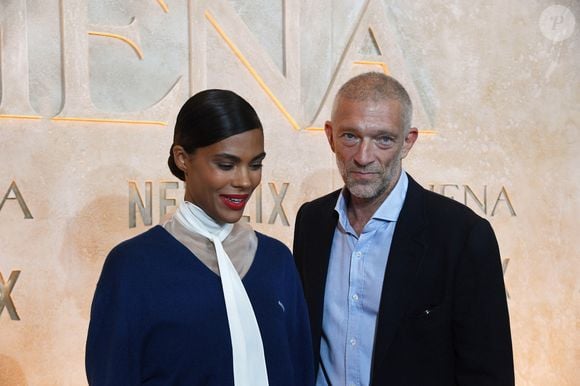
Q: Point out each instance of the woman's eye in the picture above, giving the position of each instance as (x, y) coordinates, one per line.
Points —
(256, 166)
(225, 166)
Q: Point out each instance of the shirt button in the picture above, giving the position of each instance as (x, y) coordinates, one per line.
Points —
(358, 254)
(353, 342)
(355, 297)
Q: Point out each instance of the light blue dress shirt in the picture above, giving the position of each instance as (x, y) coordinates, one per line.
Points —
(353, 291)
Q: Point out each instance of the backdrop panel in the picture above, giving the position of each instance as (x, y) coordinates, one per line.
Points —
(90, 90)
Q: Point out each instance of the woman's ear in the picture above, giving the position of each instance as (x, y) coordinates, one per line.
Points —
(181, 157)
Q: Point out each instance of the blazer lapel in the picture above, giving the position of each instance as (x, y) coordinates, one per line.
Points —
(405, 256)
(321, 231)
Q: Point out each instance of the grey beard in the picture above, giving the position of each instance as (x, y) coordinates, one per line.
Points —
(368, 190)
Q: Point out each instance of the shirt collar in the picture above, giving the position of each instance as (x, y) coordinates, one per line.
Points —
(389, 209)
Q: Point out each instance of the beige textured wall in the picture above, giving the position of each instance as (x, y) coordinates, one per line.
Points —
(496, 88)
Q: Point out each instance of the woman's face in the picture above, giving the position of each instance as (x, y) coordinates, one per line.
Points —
(220, 178)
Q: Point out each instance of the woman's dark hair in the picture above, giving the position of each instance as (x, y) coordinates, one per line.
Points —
(209, 117)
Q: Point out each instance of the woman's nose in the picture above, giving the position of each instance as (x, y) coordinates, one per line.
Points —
(242, 178)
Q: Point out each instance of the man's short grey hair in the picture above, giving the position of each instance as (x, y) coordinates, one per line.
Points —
(377, 86)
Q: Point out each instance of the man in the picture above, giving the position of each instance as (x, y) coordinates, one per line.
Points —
(404, 286)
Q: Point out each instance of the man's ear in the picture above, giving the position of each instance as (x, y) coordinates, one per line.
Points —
(409, 141)
(328, 131)
(180, 156)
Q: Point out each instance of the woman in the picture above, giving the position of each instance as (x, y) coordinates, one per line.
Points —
(203, 299)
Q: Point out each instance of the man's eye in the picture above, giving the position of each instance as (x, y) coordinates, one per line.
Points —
(256, 166)
(349, 137)
(384, 141)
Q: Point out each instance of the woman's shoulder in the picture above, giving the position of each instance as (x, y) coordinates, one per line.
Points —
(155, 237)
(271, 243)
(275, 252)
(145, 246)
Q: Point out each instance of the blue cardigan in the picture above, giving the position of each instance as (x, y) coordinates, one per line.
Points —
(158, 317)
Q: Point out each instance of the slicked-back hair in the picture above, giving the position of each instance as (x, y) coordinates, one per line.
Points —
(376, 86)
(209, 117)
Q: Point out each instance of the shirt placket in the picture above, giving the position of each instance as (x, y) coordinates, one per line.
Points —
(355, 293)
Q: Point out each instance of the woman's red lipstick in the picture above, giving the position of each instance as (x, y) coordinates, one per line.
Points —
(235, 201)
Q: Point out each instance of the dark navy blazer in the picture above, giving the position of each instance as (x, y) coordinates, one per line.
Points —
(443, 316)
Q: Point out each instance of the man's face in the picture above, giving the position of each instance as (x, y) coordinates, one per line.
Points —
(368, 140)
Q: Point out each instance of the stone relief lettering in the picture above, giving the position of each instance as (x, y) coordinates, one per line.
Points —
(165, 202)
(481, 204)
(5, 298)
(13, 193)
(258, 200)
(278, 198)
(475, 201)
(281, 87)
(216, 17)
(14, 64)
(77, 98)
(503, 197)
(77, 104)
(504, 267)
(374, 25)
(136, 203)
(141, 205)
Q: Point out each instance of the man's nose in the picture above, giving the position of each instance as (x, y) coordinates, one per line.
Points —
(364, 153)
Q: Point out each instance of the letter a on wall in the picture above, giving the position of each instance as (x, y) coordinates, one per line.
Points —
(13, 193)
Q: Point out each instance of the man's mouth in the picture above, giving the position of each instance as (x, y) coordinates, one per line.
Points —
(363, 173)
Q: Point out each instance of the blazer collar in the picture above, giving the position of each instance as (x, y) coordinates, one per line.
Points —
(326, 234)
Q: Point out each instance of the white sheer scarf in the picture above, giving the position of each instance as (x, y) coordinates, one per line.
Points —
(249, 363)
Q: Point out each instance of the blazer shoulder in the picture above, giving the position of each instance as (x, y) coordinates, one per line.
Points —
(439, 206)
(324, 202)
(435, 207)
